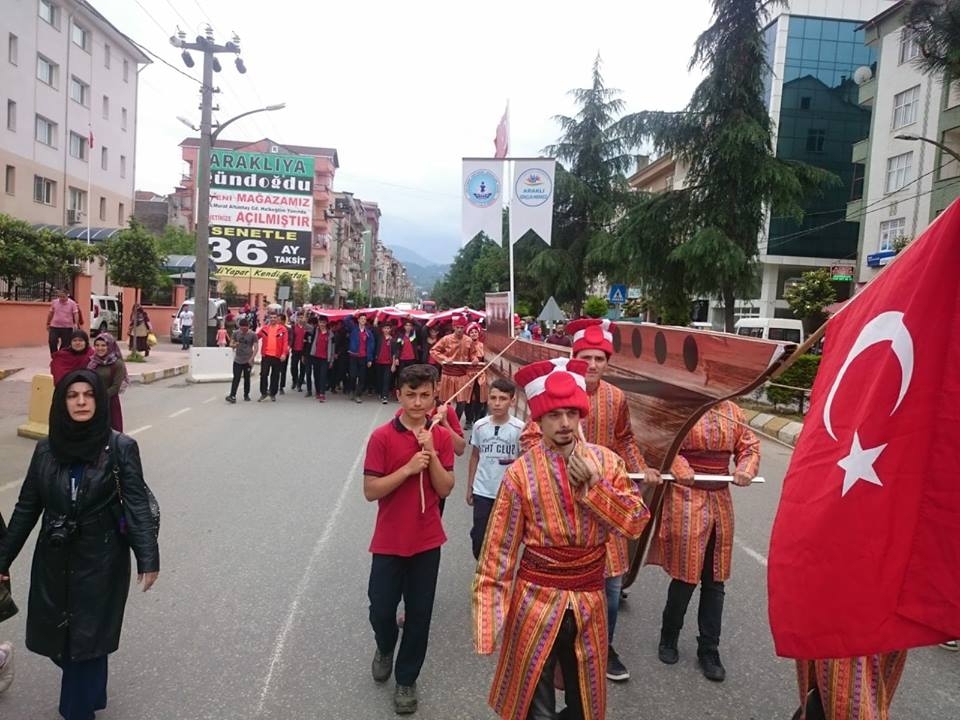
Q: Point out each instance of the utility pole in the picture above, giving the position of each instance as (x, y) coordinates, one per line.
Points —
(338, 263)
(210, 50)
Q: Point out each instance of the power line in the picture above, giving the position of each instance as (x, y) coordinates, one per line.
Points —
(177, 13)
(168, 64)
(147, 13)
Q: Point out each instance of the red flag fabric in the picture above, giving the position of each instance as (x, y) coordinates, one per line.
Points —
(501, 143)
(865, 552)
(90, 138)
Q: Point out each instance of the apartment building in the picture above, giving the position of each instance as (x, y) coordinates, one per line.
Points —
(68, 116)
(906, 180)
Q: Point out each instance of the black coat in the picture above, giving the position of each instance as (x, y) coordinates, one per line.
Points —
(78, 591)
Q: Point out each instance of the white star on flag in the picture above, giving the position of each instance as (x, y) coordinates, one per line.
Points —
(858, 465)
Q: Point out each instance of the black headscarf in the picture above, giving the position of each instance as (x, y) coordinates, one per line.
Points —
(73, 442)
(78, 333)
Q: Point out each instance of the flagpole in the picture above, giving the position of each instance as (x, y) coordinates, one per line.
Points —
(89, 189)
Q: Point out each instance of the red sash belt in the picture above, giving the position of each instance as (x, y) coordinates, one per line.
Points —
(708, 462)
(451, 370)
(564, 567)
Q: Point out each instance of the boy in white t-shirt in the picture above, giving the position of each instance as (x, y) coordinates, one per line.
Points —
(496, 444)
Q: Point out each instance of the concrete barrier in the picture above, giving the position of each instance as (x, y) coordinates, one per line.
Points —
(211, 364)
(38, 417)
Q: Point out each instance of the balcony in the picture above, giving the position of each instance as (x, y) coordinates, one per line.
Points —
(867, 92)
(945, 191)
(860, 151)
(854, 210)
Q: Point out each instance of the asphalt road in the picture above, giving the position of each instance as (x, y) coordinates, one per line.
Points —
(261, 610)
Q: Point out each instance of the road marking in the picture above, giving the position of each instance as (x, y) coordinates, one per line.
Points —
(11, 485)
(139, 430)
(209, 400)
(305, 580)
(759, 557)
(179, 412)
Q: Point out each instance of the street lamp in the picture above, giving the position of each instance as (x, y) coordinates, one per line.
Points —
(945, 148)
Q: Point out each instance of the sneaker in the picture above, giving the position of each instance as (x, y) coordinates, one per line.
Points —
(667, 652)
(273, 398)
(710, 665)
(950, 645)
(405, 699)
(358, 399)
(382, 666)
(616, 670)
(282, 392)
(246, 398)
(231, 399)
(383, 401)
(6, 668)
(262, 398)
(321, 397)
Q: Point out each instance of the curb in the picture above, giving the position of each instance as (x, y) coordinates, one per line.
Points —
(7, 372)
(152, 376)
(787, 431)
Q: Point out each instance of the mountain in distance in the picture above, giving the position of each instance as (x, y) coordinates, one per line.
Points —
(421, 271)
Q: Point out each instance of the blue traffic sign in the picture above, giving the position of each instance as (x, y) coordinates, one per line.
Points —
(617, 294)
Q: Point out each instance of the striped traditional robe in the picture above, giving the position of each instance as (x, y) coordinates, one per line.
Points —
(537, 506)
(690, 514)
(608, 424)
(450, 349)
(859, 688)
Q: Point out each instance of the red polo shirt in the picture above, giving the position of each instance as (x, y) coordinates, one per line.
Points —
(401, 528)
(385, 352)
(297, 335)
(406, 352)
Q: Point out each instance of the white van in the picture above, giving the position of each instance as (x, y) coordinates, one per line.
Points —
(104, 315)
(217, 312)
(780, 329)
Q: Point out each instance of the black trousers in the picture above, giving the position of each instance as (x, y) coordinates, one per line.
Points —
(358, 375)
(475, 409)
(481, 516)
(414, 579)
(283, 372)
(297, 368)
(320, 371)
(83, 688)
(710, 612)
(544, 703)
(58, 338)
(270, 368)
(240, 370)
(341, 368)
(384, 380)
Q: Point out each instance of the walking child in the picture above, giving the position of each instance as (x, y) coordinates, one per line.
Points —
(496, 444)
(223, 337)
(244, 344)
(407, 469)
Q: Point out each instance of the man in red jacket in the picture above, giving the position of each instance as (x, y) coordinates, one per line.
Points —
(274, 348)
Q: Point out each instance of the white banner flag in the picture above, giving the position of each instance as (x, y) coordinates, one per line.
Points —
(531, 203)
(482, 199)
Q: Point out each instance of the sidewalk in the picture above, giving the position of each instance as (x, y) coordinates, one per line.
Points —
(19, 365)
(787, 431)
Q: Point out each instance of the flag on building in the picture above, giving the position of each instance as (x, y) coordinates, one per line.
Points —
(501, 142)
(90, 137)
(531, 205)
(866, 543)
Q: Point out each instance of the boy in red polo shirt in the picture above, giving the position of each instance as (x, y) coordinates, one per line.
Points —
(407, 469)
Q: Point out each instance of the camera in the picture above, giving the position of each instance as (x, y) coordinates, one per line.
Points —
(59, 531)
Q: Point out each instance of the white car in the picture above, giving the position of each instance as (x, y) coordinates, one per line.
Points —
(216, 311)
(104, 315)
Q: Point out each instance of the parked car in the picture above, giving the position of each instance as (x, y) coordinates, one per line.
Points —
(771, 329)
(104, 315)
(216, 311)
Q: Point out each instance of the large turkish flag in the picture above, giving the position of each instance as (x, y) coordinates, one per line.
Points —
(865, 552)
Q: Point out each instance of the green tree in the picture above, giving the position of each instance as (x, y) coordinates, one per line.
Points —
(177, 241)
(723, 139)
(937, 27)
(588, 190)
(134, 259)
(27, 254)
(595, 307)
(481, 266)
(321, 294)
(301, 291)
(228, 290)
(810, 296)
(285, 280)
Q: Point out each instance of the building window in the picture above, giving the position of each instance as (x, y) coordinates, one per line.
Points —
(103, 208)
(123, 166)
(106, 56)
(815, 139)
(106, 108)
(103, 158)
(899, 172)
(80, 36)
(78, 146)
(890, 230)
(44, 190)
(856, 187)
(12, 49)
(909, 47)
(46, 71)
(10, 180)
(79, 91)
(123, 118)
(126, 70)
(120, 215)
(12, 115)
(77, 200)
(805, 102)
(905, 106)
(46, 131)
(49, 13)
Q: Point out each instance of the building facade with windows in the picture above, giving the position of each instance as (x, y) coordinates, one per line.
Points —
(68, 108)
(906, 181)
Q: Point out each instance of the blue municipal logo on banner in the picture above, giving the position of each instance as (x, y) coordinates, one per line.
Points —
(533, 187)
(482, 188)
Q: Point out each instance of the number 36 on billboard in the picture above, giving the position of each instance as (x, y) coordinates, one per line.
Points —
(246, 252)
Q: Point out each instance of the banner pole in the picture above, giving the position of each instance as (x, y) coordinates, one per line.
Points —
(512, 310)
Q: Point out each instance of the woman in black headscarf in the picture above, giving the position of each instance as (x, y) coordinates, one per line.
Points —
(74, 356)
(87, 482)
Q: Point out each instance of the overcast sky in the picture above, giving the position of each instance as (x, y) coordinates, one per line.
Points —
(404, 90)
